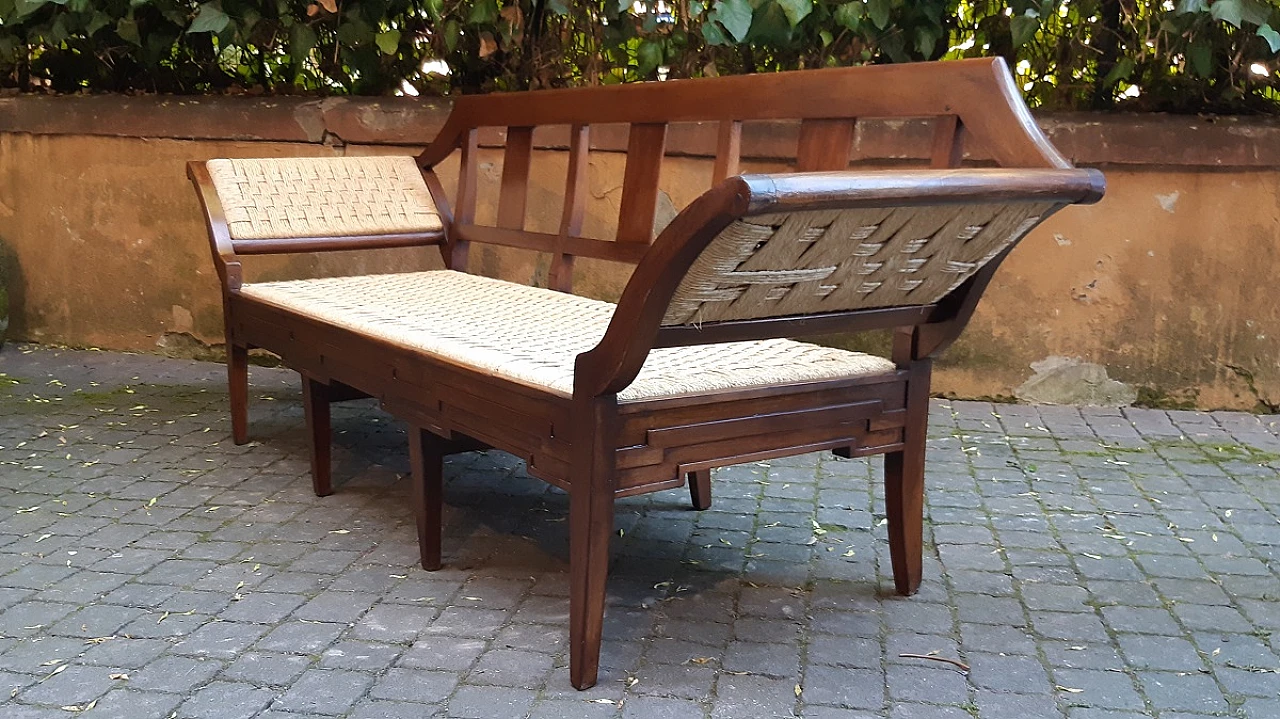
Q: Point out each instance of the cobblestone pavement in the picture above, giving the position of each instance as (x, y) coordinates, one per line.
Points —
(1090, 564)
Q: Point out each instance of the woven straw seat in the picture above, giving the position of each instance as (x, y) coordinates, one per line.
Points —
(532, 335)
(323, 197)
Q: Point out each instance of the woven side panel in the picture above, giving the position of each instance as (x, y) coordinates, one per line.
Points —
(802, 263)
(323, 197)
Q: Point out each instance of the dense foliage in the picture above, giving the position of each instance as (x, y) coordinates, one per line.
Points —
(1180, 55)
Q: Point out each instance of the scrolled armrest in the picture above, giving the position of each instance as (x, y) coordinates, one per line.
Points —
(831, 244)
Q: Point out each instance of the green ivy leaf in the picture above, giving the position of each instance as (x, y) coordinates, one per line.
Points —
(927, 40)
(770, 27)
(1023, 28)
(796, 10)
(735, 15)
(1200, 58)
(98, 21)
(26, 7)
(1268, 33)
(648, 56)
(849, 15)
(127, 29)
(209, 18)
(879, 11)
(452, 33)
(302, 39)
(558, 7)
(388, 42)
(1190, 6)
(712, 33)
(484, 12)
(434, 8)
(1238, 12)
(355, 34)
(1122, 71)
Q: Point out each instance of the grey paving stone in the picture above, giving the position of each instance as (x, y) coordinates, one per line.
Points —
(325, 691)
(443, 653)
(511, 667)
(226, 700)
(560, 708)
(1008, 673)
(374, 709)
(660, 708)
(264, 669)
(300, 637)
(850, 688)
(752, 696)
(470, 702)
(364, 656)
(124, 652)
(74, 685)
(220, 640)
(175, 674)
(1183, 692)
(133, 704)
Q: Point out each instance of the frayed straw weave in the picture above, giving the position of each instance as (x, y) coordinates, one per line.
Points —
(532, 335)
(323, 197)
(801, 263)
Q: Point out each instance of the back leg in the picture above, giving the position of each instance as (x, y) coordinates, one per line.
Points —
(238, 389)
(426, 459)
(700, 488)
(315, 403)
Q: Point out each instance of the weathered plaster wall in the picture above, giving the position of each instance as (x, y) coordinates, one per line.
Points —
(1165, 283)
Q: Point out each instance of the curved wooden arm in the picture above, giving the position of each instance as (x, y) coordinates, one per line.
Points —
(636, 324)
(793, 192)
(615, 362)
(224, 253)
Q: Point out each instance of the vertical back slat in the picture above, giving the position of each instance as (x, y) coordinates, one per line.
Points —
(468, 175)
(728, 150)
(575, 206)
(648, 142)
(824, 145)
(948, 142)
(515, 178)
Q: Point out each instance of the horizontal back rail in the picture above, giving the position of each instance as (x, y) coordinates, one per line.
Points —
(290, 245)
(980, 92)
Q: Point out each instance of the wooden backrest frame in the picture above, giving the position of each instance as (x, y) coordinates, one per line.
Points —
(969, 100)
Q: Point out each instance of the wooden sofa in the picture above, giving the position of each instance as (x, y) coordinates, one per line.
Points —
(693, 368)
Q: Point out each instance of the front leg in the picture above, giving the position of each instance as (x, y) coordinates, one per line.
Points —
(904, 485)
(591, 496)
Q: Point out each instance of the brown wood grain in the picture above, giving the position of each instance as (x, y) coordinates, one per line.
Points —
(640, 182)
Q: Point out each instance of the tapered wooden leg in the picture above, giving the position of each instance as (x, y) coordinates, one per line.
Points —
(591, 497)
(315, 404)
(700, 488)
(238, 388)
(904, 486)
(426, 456)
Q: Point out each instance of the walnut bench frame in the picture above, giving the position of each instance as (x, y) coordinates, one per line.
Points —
(909, 250)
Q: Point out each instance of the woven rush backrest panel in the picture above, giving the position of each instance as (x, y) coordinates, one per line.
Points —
(809, 262)
(323, 197)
